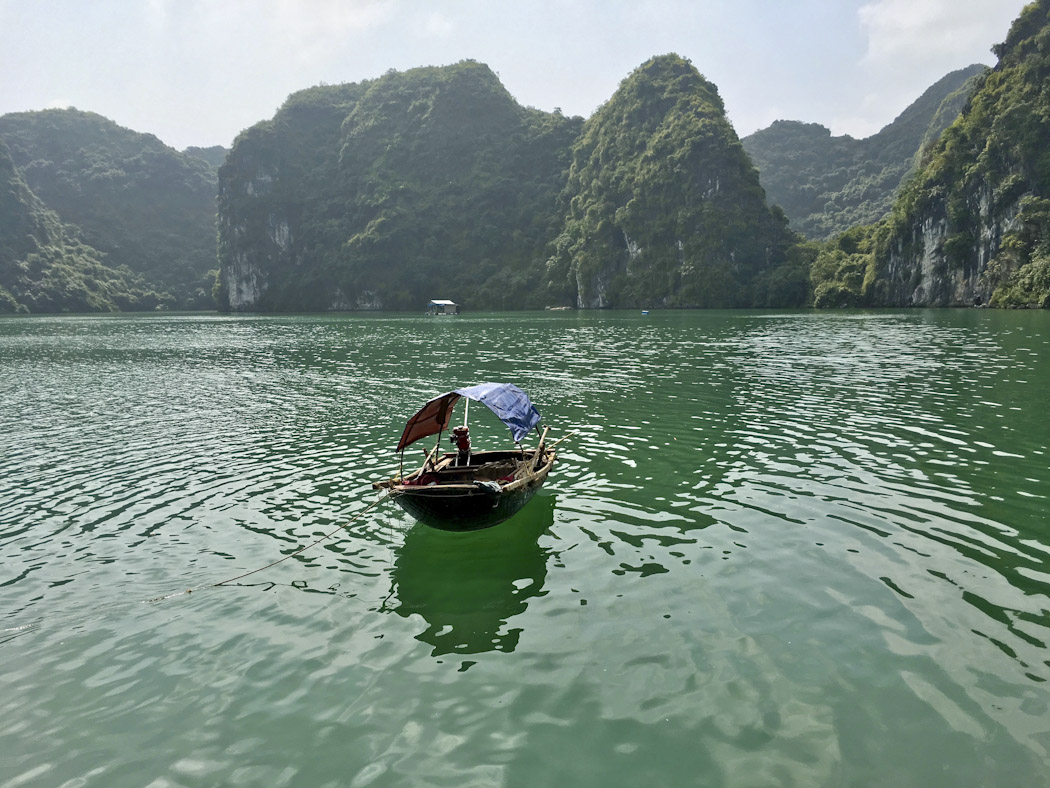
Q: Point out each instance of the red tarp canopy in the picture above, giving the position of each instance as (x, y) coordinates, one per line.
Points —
(432, 418)
(508, 402)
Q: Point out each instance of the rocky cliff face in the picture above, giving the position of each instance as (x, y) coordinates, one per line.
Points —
(435, 182)
(974, 221)
(665, 208)
(271, 191)
(250, 252)
(142, 204)
(828, 184)
(384, 194)
(919, 270)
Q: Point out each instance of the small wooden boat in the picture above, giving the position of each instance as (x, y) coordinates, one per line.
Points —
(465, 490)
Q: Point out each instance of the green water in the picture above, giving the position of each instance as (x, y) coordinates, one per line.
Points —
(785, 549)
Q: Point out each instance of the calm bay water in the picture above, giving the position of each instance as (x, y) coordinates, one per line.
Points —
(785, 549)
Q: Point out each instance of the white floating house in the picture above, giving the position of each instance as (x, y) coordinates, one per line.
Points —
(440, 306)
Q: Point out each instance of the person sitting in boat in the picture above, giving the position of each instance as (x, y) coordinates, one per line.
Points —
(461, 437)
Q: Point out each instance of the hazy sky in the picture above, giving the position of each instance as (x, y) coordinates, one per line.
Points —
(196, 72)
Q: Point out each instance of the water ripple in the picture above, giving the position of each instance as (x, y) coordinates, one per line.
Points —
(779, 547)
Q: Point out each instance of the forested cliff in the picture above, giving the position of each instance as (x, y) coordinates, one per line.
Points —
(144, 207)
(973, 225)
(44, 267)
(435, 182)
(826, 184)
(664, 206)
(381, 195)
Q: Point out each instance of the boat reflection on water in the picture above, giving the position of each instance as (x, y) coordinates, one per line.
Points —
(467, 586)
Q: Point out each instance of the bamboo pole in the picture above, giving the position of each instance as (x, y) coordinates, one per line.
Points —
(426, 462)
(563, 437)
(539, 449)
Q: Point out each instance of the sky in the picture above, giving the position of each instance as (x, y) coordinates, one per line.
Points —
(197, 72)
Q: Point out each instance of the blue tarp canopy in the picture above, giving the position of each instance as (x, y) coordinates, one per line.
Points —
(510, 404)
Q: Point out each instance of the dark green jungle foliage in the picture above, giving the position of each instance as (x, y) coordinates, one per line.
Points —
(665, 207)
(986, 180)
(843, 269)
(144, 205)
(280, 173)
(1020, 273)
(999, 149)
(432, 183)
(215, 155)
(44, 269)
(828, 184)
(436, 183)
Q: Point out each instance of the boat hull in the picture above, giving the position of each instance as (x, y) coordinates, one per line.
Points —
(466, 511)
(466, 506)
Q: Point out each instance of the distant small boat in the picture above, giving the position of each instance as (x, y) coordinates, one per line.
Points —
(645, 311)
(466, 490)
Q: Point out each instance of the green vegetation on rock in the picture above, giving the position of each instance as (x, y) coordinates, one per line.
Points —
(1019, 275)
(44, 268)
(383, 194)
(827, 184)
(972, 225)
(145, 206)
(665, 207)
(436, 183)
(215, 155)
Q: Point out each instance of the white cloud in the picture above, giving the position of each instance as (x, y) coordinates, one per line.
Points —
(196, 71)
(910, 44)
(912, 31)
(157, 13)
(869, 118)
(435, 25)
(310, 24)
(304, 19)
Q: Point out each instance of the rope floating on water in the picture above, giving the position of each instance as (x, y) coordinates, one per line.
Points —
(301, 550)
(10, 632)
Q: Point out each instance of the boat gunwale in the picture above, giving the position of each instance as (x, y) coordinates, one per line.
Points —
(397, 486)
